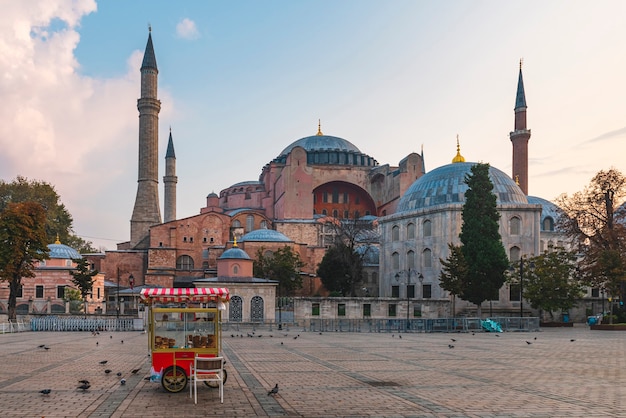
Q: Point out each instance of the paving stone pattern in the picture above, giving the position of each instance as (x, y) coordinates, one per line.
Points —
(328, 375)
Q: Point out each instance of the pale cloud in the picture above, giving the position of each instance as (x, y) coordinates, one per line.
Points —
(75, 132)
(187, 29)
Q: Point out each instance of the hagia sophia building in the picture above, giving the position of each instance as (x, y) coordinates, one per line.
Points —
(313, 180)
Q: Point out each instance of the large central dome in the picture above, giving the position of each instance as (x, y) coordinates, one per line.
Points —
(321, 143)
(446, 185)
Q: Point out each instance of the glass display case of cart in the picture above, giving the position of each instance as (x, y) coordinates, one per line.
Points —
(189, 326)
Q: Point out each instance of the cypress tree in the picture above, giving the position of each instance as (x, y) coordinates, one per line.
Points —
(482, 247)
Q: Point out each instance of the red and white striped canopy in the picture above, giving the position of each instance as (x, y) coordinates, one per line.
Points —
(170, 294)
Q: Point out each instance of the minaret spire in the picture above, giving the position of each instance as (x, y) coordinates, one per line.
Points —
(146, 211)
(169, 182)
(520, 136)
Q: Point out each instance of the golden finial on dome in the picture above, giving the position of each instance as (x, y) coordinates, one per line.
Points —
(319, 127)
(458, 158)
(235, 241)
(57, 240)
(517, 179)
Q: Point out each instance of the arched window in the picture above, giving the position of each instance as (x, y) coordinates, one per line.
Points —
(427, 225)
(395, 233)
(548, 224)
(395, 261)
(256, 309)
(410, 259)
(235, 270)
(184, 262)
(410, 231)
(515, 225)
(514, 254)
(236, 224)
(427, 258)
(335, 213)
(235, 309)
(249, 223)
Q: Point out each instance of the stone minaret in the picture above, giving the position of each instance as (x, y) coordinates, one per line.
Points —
(169, 182)
(147, 212)
(519, 137)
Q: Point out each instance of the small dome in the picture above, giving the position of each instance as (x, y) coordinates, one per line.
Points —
(370, 254)
(63, 251)
(234, 252)
(549, 211)
(212, 194)
(446, 185)
(265, 235)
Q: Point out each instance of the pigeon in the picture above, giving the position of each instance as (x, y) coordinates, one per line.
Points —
(46, 348)
(392, 335)
(528, 342)
(453, 340)
(84, 382)
(400, 336)
(45, 391)
(281, 343)
(296, 337)
(119, 374)
(497, 335)
(473, 333)
(320, 333)
(84, 387)
(572, 340)
(450, 346)
(123, 382)
(42, 346)
(107, 371)
(122, 341)
(104, 361)
(232, 335)
(134, 371)
(274, 390)
(110, 336)
(96, 342)
(535, 338)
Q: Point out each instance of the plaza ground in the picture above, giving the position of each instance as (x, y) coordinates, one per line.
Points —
(332, 374)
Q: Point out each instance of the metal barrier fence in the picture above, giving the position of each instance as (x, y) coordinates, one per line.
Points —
(74, 323)
(389, 325)
(12, 326)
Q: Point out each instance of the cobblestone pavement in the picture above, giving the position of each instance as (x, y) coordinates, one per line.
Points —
(563, 372)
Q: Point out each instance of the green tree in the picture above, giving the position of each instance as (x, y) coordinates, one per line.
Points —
(552, 284)
(283, 265)
(83, 279)
(481, 241)
(58, 219)
(453, 273)
(23, 242)
(341, 269)
(74, 298)
(595, 220)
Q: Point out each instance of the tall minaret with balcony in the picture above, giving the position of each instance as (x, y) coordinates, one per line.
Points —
(520, 136)
(146, 211)
(169, 182)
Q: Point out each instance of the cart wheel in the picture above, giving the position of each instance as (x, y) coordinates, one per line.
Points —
(214, 385)
(174, 379)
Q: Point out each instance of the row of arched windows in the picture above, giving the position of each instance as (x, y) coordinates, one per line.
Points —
(426, 260)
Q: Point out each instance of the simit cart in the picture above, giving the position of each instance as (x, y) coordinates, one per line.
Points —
(182, 323)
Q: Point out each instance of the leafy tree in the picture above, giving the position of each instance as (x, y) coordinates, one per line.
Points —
(453, 273)
(58, 219)
(74, 298)
(341, 269)
(83, 279)
(283, 265)
(481, 241)
(553, 283)
(594, 219)
(23, 242)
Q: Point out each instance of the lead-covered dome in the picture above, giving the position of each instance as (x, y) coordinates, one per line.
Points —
(265, 235)
(446, 185)
(234, 253)
(58, 250)
(321, 143)
(549, 212)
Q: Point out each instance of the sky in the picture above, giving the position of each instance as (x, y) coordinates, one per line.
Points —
(241, 80)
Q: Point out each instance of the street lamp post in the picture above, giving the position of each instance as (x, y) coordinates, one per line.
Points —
(408, 274)
(531, 265)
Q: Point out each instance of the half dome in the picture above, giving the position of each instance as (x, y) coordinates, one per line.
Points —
(265, 235)
(446, 185)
